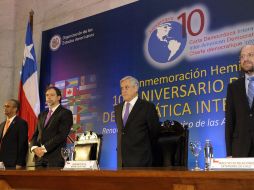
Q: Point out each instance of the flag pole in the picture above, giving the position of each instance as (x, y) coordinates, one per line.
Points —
(31, 19)
(29, 105)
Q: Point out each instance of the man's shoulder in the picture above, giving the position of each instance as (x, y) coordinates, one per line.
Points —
(237, 82)
(20, 120)
(118, 106)
(145, 102)
(139, 101)
(63, 109)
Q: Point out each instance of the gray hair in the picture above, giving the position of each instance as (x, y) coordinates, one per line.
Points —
(132, 79)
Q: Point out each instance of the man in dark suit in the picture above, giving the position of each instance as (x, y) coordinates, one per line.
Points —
(138, 124)
(14, 136)
(239, 129)
(51, 132)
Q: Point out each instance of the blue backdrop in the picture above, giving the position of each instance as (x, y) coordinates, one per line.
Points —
(184, 54)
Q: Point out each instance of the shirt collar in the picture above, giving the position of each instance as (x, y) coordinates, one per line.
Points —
(248, 76)
(11, 119)
(54, 108)
(133, 101)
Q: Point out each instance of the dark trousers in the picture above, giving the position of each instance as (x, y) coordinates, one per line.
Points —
(251, 152)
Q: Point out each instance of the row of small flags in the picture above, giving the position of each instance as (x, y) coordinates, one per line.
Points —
(79, 95)
(77, 91)
(82, 81)
(81, 109)
(84, 118)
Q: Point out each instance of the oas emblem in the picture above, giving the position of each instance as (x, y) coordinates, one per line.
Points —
(55, 42)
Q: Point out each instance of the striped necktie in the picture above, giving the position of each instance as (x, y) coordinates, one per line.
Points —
(251, 90)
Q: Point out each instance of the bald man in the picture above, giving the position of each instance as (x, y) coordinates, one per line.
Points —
(239, 129)
(14, 136)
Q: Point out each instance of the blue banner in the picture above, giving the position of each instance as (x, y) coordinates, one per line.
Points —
(184, 54)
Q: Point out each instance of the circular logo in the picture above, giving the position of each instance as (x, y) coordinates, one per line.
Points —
(55, 42)
(165, 44)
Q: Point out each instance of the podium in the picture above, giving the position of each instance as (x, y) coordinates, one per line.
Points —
(126, 179)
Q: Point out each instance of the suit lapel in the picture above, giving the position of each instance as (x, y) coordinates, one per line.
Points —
(242, 93)
(2, 129)
(119, 111)
(119, 121)
(134, 111)
(53, 117)
(44, 116)
(9, 128)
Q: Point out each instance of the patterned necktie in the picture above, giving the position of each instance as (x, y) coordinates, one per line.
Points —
(250, 90)
(48, 117)
(126, 113)
(7, 125)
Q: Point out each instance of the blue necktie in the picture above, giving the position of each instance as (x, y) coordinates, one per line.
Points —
(251, 90)
(126, 113)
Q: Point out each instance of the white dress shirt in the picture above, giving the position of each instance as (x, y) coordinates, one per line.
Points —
(132, 103)
(34, 147)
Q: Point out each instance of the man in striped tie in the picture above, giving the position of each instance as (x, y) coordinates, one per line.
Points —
(239, 129)
(138, 124)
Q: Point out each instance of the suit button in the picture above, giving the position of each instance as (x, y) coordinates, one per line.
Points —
(123, 133)
(251, 115)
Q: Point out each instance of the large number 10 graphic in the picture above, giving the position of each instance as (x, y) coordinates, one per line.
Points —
(186, 22)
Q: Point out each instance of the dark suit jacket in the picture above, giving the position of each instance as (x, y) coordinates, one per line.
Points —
(137, 138)
(239, 120)
(14, 144)
(53, 136)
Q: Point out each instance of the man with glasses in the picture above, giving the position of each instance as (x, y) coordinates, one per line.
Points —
(138, 124)
(239, 129)
(14, 137)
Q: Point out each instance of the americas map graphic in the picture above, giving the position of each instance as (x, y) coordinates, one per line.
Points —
(166, 42)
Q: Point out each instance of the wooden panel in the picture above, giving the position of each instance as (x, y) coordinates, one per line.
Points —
(150, 179)
(183, 187)
(4, 185)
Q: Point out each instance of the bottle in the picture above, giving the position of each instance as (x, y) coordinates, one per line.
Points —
(208, 152)
(71, 158)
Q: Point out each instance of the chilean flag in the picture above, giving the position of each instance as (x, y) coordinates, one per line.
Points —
(28, 88)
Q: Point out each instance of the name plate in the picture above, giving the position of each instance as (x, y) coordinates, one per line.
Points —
(232, 164)
(81, 165)
(2, 166)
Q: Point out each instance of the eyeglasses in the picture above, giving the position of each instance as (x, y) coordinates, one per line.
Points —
(8, 106)
(244, 56)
